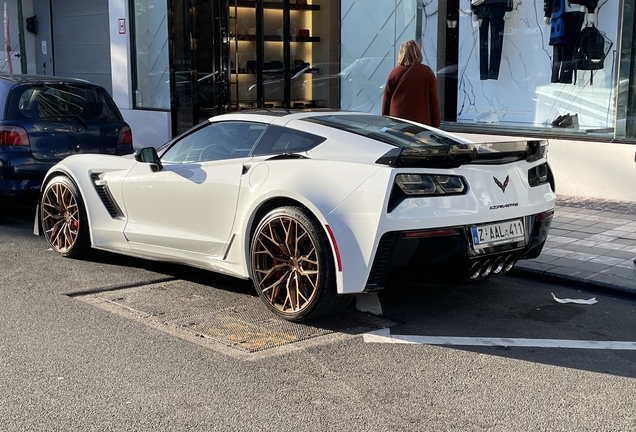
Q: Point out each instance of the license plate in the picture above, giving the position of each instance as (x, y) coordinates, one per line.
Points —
(498, 233)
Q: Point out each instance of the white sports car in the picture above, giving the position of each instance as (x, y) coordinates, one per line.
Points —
(312, 206)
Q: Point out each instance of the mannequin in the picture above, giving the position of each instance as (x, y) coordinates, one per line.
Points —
(566, 19)
(491, 15)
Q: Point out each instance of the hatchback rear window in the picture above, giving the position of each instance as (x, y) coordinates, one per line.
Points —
(55, 102)
(388, 130)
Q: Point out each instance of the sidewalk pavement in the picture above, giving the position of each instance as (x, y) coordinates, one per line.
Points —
(591, 244)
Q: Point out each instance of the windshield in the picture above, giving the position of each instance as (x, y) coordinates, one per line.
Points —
(389, 130)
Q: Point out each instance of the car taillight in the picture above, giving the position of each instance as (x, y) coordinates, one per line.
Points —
(430, 184)
(125, 136)
(13, 136)
(125, 141)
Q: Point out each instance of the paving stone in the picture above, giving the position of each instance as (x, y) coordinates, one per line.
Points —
(573, 272)
(620, 254)
(565, 262)
(543, 258)
(621, 272)
(579, 235)
(528, 266)
(591, 241)
(592, 267)
(604, 225)
(559, 232)
(592, 230)
(626, 242)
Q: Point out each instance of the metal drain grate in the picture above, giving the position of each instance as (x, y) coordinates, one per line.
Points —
(233, 319)
(248, 327)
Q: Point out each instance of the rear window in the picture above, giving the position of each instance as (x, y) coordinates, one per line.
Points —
(54, 102)
(388, 130)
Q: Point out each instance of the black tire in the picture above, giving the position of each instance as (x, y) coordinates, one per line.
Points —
(63, 217)
(292, 266)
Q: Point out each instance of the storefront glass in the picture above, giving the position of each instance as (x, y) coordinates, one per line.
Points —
(506, 66)
(521, 64)
(311, 29)
(151, 75)
(503, 66)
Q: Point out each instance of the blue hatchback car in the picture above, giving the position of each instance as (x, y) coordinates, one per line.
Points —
(44, 119)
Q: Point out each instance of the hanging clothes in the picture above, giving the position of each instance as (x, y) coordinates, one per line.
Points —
(566, 22)
(490, 14)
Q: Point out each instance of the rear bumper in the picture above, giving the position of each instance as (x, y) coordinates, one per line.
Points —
(449, 253)
(19, 192)
(21, 177)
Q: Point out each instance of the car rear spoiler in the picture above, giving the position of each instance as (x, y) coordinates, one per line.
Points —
(455, 155)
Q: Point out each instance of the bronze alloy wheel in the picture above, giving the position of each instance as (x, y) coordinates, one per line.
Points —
(286, 264)
(292, 266)
(63, 217)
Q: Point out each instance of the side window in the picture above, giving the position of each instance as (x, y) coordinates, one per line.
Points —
(216, 141)
(277, 140)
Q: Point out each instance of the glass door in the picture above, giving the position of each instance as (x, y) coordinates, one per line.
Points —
(199, 75)
(228, 55)
(211, 56)
(182, 64)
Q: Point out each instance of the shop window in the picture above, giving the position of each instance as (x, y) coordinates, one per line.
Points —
(152, 74)
(532, 65)
(314, 67)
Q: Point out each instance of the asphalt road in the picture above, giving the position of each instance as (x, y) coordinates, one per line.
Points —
(68, 363)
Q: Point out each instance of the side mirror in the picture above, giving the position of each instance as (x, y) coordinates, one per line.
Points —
(149, 155)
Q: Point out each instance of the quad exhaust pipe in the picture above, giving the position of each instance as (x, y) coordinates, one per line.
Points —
(494, 266)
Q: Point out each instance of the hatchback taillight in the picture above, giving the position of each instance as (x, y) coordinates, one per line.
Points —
(13, 136)
(125, 141)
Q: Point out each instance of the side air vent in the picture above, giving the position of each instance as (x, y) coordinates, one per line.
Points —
(381, 265)
(107, 199)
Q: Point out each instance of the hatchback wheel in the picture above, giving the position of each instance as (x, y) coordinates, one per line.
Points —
(292, 266)
(63, 217)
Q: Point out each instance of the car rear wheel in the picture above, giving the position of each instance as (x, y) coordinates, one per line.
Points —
(292, 266)
(63, 217)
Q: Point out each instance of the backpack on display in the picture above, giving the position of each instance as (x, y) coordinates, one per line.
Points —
(589, 51)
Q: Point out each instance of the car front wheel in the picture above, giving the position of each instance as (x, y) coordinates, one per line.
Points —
(292, 266)
(63, 217)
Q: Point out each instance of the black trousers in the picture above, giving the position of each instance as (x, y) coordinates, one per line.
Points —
(562, 53)
(491, 18)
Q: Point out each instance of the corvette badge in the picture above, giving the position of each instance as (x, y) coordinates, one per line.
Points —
(503, 185)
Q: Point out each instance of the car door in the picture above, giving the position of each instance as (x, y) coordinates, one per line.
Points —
(190, 203)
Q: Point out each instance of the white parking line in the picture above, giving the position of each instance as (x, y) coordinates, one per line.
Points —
(385, 336)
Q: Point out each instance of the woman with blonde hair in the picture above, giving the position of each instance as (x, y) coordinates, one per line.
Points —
(410, 92)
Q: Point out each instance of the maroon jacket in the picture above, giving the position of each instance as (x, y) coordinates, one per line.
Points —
(415, 98)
